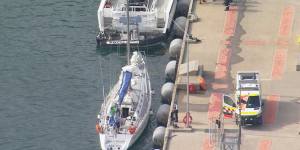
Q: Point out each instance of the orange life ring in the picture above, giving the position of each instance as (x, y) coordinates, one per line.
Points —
(131, 130)
(185, 119)
(99, 129)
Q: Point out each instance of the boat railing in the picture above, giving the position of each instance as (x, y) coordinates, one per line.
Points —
(133, 8)
(153, 5)
(144, 95)
(144, 20)
(113, 93)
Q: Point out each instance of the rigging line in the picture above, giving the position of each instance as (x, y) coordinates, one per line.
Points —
(109, 70)
(128, 32)
(99, 81)
(119, 50)
(102, 80)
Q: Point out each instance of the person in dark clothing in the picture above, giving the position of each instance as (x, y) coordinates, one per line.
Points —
(117, 123)
(174, 116)
(227, 4)
(176, 112)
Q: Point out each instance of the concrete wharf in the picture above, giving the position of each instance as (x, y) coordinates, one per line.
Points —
(254, 35)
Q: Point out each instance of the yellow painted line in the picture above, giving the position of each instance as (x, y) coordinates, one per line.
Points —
(298, 39)
(249, 113)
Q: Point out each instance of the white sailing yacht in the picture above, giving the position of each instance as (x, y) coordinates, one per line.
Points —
(125, 111)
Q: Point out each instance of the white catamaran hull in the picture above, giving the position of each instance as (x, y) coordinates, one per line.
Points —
(150, 21)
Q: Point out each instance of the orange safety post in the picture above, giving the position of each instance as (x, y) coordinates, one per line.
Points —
(202, 83)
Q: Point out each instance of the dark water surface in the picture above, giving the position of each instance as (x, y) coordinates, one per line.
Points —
(52, 75)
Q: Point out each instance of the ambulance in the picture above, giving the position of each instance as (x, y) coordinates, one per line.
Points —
(247, 99)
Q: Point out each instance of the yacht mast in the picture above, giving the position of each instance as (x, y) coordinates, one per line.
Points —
(128, 34)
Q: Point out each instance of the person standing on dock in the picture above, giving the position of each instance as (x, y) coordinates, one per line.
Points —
(227, 4)
(174, 116)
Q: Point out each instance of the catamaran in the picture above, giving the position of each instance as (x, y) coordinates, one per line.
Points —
(125, 111)
(150, 21)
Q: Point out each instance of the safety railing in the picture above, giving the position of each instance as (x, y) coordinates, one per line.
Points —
(180, 61)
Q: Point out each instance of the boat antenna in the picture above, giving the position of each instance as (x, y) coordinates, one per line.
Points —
(128, 35)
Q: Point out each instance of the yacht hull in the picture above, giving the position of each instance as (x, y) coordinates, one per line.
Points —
(125, 112)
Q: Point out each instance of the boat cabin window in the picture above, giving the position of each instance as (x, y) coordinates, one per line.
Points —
(140, 9)
(125, 112)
